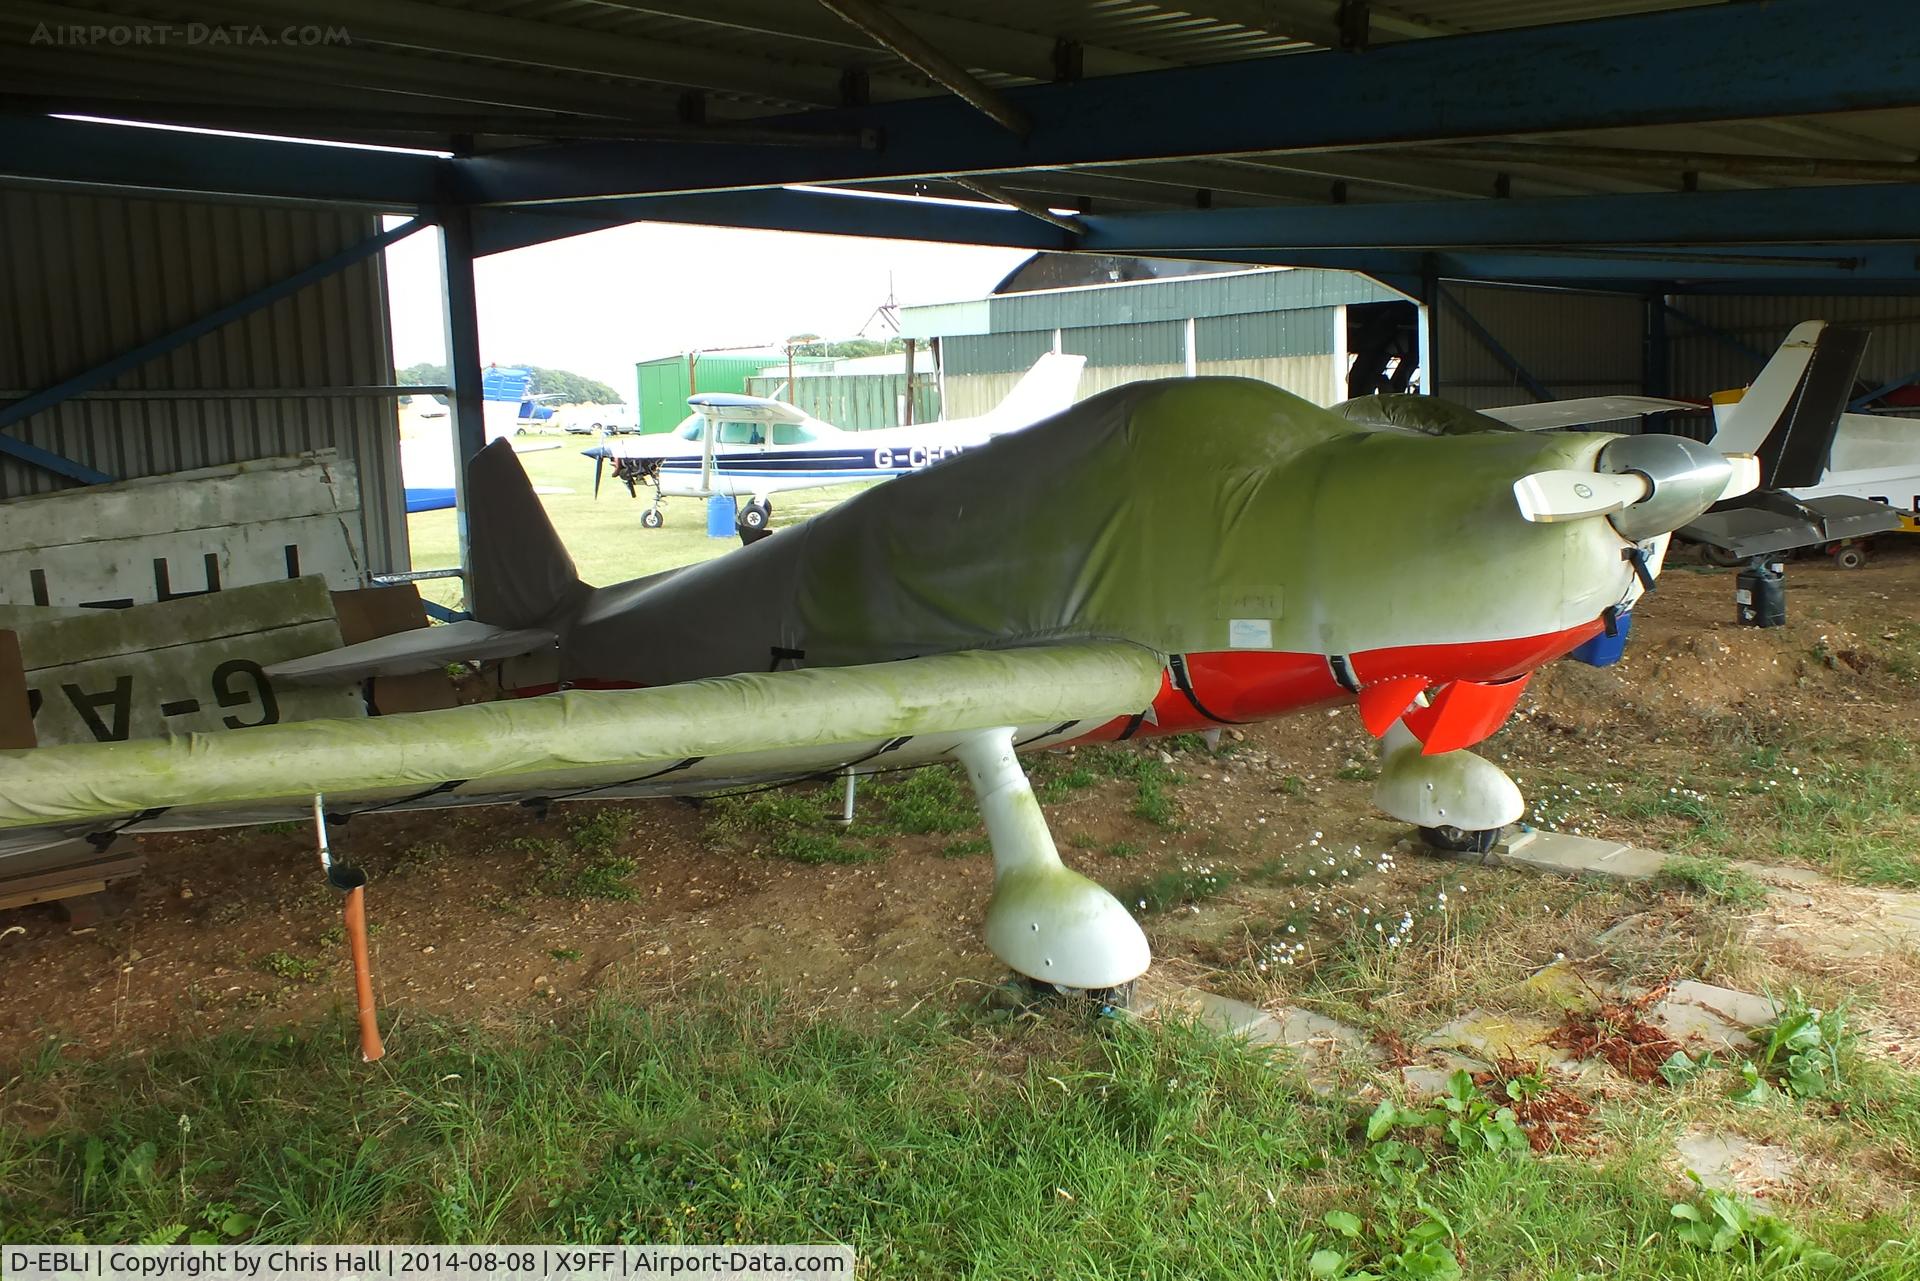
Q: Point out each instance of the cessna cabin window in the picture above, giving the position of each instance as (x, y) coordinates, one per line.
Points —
(739, 433)
(791, 434)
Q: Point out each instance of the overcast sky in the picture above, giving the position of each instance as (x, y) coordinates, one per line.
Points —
(595, 304)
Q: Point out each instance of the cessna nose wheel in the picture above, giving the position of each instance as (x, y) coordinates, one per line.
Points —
(652, 518)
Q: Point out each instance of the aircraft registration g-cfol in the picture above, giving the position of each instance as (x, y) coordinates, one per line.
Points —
(1163, 557)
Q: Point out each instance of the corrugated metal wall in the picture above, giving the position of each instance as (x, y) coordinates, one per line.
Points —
(1306, 332)
(1577, 344)
(856, 402)
(86, 277)
(1141, 302)
(1156, 342)
(1703, 363)
(966, 354)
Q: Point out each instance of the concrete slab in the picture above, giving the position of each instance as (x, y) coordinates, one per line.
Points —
(1492, 1036)
(1317, 1041)
(1426, 1080)
(1834, 918)
(1563, 855)
(1719, 1016)
(1735, 1163)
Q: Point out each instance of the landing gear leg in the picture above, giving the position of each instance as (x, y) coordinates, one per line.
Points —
(1459, 801)
(1045, 922)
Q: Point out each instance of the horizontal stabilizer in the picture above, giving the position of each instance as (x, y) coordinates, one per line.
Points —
(422, 649)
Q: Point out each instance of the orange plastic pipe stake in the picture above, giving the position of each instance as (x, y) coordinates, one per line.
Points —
(371, 1050)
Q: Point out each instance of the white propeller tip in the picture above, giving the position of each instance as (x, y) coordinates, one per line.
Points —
(1567, 494)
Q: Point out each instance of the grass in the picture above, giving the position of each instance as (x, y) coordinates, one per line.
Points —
(936, 1145)
(587, 864)
(1177, 885)
(1714, 880)
(604, 536)
(1150, 777)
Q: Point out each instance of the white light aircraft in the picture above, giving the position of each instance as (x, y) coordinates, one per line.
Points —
(751, 446)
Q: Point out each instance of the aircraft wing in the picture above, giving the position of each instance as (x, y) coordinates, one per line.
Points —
(702, 736)
(1589, 409)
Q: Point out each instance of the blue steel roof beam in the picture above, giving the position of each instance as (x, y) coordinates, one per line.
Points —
(126, 157)
(1805, 58)
(499, 230)
(1889, 212)
(1889, 268)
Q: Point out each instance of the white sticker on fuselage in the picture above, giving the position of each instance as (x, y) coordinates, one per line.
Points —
(1250, 633)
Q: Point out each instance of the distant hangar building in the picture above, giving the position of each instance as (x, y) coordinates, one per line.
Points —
(1295, 329)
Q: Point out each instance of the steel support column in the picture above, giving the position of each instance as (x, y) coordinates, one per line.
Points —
(466, 407)
(1656, 360)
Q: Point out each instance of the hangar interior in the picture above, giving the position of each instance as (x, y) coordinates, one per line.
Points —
(194, 278)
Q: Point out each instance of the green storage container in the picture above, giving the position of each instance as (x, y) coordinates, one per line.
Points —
(667, 381)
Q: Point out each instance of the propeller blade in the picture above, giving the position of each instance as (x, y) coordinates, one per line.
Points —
(1567, 494)
(599, 466)
(1745, 478)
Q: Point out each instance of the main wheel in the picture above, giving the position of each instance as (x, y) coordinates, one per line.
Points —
(652, 518)
(754, 515)
(1455, 840)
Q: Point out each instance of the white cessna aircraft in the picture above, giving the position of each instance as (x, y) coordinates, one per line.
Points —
(757, 447)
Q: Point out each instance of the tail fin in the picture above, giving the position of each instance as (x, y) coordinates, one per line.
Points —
(1790, 413)
(1043, 391)
(522, 573)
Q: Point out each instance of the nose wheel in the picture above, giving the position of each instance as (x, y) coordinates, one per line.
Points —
(652, 518)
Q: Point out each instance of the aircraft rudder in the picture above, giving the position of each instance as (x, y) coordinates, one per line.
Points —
(521, 573)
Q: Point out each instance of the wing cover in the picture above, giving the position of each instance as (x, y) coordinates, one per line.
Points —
(682, 739)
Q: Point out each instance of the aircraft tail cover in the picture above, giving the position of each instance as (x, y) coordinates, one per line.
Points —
(1043, 391)
(521, 571)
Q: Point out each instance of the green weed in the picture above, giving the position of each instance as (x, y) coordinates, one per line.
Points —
(293, 968)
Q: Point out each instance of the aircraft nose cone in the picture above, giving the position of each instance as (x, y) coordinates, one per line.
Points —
(598, 451)
(1686, 478)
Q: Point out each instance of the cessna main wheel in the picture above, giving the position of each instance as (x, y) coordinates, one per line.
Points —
(652, 518)
(755, 515)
